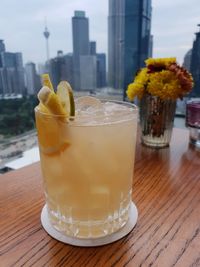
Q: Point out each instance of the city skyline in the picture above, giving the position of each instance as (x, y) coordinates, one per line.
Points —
(84, 68)
(173, 32)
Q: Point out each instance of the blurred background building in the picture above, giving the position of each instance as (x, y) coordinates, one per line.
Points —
(187, 60)
(129, 40)
(80, 32)
(195, 65)
(61, 68)
(89, 67)
(101, 70)
(32, 79)
(11, 72)
(88, 72)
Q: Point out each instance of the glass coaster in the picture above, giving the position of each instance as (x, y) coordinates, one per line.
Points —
(81, 242)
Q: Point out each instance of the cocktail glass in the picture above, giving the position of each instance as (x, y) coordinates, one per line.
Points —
(87, 165)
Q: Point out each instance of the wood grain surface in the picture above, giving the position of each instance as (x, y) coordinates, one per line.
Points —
(166, 190)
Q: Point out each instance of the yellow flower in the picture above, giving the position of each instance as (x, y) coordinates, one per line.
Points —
(160, 62)
(162, 77)
(135, 89)
(142, 76)
(163, 84)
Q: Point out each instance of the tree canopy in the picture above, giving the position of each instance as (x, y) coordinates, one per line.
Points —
(17, 115)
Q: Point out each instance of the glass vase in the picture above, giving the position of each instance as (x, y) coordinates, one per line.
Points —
(156, 121)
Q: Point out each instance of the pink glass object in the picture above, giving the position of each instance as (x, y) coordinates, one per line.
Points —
(193, 121)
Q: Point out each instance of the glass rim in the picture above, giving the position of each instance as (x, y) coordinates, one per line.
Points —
(134, 111)
(195, 103)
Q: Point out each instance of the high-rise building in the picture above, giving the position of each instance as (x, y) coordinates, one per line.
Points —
(88, 70)
(57, 68)
(3, 81)
(2, 46)
(100, 65)
(20, 87)
(92, 48)
(150, 53)
(129, 39)
(11, 72)
(101, 70)
(61, 68)
(69, 68)
(32, 79)
(80, 31)
(195, 65)
(41, 68)
(187, 60)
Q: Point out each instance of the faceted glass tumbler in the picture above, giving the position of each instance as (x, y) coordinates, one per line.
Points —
(87, 167)
(156, 121)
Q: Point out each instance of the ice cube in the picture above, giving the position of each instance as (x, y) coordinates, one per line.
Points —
(88, 104)
(111, 107)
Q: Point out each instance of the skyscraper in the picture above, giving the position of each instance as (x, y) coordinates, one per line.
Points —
(80, 31)
(100, 65)
(3, 81)
(101, 70)
(116, 37)
(88, 70)
(129, 39)
(187, 60)
(11, 72)
(60, 68)
(92, 48)
(195, 65)
(32, 79)
(69, 68)
(2, 46)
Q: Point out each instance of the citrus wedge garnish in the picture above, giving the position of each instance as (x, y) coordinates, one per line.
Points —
(51, 101)
(50, 140)
(50, 128)
(46, 81)
(65, 94)
(47, 134)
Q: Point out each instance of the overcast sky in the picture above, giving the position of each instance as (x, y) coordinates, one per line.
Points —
(22, 24)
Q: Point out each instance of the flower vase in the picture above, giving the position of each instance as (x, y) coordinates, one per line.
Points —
(156, 120)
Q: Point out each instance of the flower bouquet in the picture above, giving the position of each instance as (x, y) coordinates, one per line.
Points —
(157, 86)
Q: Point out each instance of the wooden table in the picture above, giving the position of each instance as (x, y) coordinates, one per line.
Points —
(166, 190)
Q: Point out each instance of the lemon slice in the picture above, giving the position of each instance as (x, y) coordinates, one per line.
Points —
(65, 94)
(42, 108)
(51, 143)
(49, 127)
(51, 101)
(46, 81)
